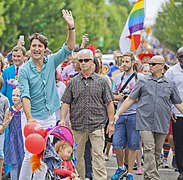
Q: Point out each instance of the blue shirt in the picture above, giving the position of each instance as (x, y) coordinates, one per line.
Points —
(40, 86)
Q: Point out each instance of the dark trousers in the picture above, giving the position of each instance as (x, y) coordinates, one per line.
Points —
(178, 141)
(88, 159)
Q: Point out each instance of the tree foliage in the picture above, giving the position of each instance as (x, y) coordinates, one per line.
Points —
(100, 21)
(168, 28)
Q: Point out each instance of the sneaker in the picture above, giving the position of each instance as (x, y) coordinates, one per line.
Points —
(135, 166)
(106, 158)
(129, 177)
(165, 163)
(119, 174)
(139, 171)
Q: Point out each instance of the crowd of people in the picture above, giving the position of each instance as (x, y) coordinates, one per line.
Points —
(136, 107)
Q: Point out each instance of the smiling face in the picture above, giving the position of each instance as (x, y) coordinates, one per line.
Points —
(18, 58)
(37, 50)
(16, 97)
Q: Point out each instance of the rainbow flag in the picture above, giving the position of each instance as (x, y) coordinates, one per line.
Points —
(130, 36)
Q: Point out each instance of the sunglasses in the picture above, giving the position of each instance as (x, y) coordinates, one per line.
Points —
(154, 64)
(84, 60)
(180, 57)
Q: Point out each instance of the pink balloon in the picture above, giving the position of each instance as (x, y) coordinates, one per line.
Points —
(34, 127)
(35, 143)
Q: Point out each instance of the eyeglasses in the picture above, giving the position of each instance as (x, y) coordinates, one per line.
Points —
(85, 60)
(154, 64)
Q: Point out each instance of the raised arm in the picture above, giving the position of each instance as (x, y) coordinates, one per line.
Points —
(67, 15)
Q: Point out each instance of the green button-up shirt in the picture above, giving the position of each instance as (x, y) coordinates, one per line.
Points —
(40, 86)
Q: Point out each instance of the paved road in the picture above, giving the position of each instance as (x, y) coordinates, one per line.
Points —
(165, 174)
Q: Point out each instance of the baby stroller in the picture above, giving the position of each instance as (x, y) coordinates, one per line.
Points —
(50, 157)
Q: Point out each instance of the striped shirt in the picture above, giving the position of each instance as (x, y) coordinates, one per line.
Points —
(87, 99)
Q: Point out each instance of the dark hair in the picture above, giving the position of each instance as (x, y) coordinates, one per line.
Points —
(18, 48)
(95, 61)
(129, 54)
(40, 37)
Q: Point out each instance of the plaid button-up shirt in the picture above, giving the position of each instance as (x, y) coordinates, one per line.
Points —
(87, 99)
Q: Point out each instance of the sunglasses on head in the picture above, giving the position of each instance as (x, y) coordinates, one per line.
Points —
(84, 60)
(153, 64)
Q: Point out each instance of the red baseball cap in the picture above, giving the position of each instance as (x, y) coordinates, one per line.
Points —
(146, 53)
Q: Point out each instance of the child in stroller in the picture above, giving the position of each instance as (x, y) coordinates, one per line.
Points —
(59, 155)
(65, 150)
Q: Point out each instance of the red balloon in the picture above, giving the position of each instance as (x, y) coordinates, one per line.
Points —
(35, 143)
(34, 127)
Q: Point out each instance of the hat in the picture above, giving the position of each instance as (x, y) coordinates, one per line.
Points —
(157, 59)
(146, 53)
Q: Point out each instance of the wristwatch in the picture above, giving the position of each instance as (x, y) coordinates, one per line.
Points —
(112, 122)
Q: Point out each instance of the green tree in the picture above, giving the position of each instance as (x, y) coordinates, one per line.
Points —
(98, 20)
(168, 28)
(2, 25)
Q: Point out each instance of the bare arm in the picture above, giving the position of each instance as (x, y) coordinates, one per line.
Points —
(179, 107)
(7, 119)
(110, 111)
(67, 15)
(125, 105)
(27, 108)
(63, 113)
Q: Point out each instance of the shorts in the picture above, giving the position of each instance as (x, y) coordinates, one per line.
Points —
(125, 133)
(2, 146)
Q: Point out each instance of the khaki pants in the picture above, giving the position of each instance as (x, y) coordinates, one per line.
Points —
(98, 162)
(153, 143)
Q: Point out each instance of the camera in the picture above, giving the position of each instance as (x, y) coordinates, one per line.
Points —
(126, 94)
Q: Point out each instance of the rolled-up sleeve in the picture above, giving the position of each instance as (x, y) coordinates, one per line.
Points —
(23, 84)
(61, 55)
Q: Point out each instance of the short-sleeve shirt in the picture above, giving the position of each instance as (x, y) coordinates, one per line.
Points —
(87, 99)
(155, 97)
(40, 86)
(118, 84)
(175, 73)
(4, 105)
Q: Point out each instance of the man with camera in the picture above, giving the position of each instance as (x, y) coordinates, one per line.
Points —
(125, 133)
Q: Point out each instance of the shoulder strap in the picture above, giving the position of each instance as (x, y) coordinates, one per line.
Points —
(129, 79)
